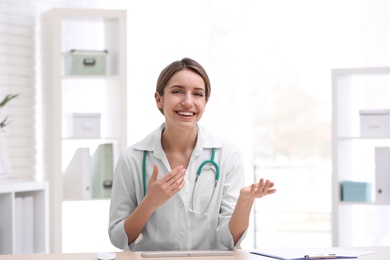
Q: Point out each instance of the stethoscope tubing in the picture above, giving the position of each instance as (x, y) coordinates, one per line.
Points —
(198, 173)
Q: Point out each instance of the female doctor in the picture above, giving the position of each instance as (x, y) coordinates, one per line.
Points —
(181, 188)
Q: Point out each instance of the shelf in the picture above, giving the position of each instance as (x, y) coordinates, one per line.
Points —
(357, 138)
(24, 217)
(90, 140)
(354, 203)
(68, 160)
(88, 77)
(355, 157)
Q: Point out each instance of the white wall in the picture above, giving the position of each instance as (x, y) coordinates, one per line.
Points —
(17, 76)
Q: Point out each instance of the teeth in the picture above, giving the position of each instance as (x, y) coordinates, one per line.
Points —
(186, 113)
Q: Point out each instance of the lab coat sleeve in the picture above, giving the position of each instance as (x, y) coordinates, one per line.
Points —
(234, 181)
(123, 201)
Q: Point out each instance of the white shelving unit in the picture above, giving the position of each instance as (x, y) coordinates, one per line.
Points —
(12, 232)
(358, 223)
(63, 95)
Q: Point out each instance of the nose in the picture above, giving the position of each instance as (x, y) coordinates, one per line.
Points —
(187, 100)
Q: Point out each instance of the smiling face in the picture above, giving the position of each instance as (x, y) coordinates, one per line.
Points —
(184, 99)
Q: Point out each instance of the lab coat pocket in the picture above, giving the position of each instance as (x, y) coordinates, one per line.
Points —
(202, 235)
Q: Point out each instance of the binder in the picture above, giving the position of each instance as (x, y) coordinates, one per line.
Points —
(28, 225)
(19, 248)
(102, 171)
(382, 174)
(24, 225)
(77, 176)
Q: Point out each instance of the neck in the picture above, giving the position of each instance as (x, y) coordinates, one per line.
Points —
(179, 140)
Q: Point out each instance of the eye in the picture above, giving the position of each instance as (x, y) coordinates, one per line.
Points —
(199, 94)
(177, 91)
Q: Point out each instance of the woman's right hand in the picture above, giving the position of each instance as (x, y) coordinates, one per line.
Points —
(157, 193)
(160, 191)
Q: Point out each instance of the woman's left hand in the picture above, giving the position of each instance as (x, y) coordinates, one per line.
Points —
(257, 190)
(240, 218)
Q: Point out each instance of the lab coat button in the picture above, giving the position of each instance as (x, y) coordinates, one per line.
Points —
(181, 204)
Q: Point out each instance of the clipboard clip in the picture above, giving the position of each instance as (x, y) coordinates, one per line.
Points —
(330, 256)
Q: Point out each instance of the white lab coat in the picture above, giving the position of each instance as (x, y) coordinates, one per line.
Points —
(174, 225)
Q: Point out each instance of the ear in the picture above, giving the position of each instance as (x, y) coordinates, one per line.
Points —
(158, 99)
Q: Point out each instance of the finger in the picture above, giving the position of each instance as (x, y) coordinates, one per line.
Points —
(271, 191)
(261, 183)
(179, 186)
(175, 174)
(177, 180)
(153, 178)
(260, 186)
(266, 187)
(270, 187)
(254, 188)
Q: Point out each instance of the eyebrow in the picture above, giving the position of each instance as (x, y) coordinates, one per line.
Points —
(182, 87)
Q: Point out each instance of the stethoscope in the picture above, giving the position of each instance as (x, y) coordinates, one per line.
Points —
(198, 173)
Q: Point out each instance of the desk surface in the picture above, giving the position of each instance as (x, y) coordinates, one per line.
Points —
(383, 254)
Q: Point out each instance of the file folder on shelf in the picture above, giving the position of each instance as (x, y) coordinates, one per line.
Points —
(77, 176)
(102, 171)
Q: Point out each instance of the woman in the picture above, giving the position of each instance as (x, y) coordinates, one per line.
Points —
(158, 202)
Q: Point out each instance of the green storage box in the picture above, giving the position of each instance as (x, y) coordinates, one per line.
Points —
(355, 191)
(85, 62)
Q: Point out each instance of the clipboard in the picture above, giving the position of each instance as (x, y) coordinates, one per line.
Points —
(311, 253)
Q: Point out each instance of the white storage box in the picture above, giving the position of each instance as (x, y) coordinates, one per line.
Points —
(85, 125)
(84, 62)
(374, 123)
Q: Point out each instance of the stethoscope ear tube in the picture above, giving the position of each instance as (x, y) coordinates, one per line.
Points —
(212, 161)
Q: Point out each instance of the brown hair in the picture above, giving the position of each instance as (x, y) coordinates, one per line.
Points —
(176, 66)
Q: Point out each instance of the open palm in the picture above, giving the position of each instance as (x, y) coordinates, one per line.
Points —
(258, 189)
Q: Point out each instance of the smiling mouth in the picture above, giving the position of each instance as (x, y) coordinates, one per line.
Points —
(187, 114)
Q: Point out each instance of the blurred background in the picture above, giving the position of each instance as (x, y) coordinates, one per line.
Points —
(270, 67)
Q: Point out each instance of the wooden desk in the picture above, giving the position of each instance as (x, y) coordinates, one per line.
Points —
(383, 254)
